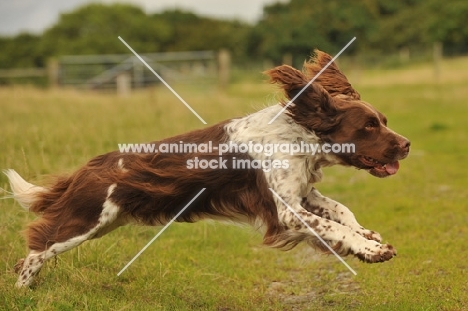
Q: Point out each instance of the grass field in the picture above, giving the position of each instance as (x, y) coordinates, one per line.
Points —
(422, 210)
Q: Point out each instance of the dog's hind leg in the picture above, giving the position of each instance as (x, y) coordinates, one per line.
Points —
(30, 267)
(33, 263)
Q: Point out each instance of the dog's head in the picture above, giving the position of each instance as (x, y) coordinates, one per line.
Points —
(333, 109)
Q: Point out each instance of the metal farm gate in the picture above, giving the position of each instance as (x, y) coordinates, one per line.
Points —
(113, 71)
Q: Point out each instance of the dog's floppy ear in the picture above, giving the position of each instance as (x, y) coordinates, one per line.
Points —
(314, 109)
(332, 79)
(289, 78)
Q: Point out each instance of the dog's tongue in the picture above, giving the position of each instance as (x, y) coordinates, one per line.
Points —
(392, 168)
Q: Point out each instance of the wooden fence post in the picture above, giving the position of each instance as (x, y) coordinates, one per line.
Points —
(437, 55)
(124, 84)
(404, 55)
(224, 64)
(53, 72)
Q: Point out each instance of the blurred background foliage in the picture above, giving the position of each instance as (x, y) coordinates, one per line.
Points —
(295, 28)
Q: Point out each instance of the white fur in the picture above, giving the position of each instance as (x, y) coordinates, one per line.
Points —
(23, 192)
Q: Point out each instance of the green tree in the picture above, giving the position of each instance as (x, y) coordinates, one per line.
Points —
(402, 23)
(419, 23)
(300, 26)
(94, 29)
(191, 32)
(20, 51)
(447, 24)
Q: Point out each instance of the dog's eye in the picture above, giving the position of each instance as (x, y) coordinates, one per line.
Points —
(371, 124)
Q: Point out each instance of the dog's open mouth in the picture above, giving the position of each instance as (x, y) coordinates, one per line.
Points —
(379, 169)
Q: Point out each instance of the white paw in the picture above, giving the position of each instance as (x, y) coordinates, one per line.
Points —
(375, 252)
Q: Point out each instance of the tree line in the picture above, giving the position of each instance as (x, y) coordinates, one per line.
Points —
(294, 28)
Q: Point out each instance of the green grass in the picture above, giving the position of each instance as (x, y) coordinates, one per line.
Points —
(422, 210)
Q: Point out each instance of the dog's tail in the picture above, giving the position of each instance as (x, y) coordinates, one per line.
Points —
(24, 193)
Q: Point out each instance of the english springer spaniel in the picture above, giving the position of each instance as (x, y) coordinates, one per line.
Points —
(150, 188)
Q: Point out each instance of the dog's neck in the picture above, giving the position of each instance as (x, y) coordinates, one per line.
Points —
(283, 130)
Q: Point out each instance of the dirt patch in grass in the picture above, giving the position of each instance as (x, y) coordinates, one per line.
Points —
(317, 282)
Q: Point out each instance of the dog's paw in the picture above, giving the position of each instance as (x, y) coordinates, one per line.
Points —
(377, 253)
(19, 266)
(370, 235)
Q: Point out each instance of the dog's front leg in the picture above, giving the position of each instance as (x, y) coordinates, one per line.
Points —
(300, 223)
(327, 208)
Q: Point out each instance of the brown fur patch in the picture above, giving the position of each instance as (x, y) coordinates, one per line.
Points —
(151, 190)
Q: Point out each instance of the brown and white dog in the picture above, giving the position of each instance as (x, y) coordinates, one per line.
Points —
(117, 188)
